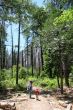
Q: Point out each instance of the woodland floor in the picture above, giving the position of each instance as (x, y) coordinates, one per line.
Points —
(53, 101)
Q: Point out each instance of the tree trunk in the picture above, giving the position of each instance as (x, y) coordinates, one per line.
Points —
(32, 57)
(27, 56)
(39, 63)
(17, 69)
(25, 59)
(41, 50)
(50, 64)
(4, 55)
(0, 53)
(50, 71)
(12, 49)
(14, 58)
(58, 81)
(42, 62)
(67, 75)
(22, 59)
(58, 78)
(61, 67)
(66, 71)
(67, 80)
(61, 82)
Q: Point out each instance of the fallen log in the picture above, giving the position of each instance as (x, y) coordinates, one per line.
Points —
(7, 106)
(69, 107)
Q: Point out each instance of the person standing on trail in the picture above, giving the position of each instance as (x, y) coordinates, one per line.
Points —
(37, 92)
(29, 88)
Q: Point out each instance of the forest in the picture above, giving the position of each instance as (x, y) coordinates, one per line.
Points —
(47, 56)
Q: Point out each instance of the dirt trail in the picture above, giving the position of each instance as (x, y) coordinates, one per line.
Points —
(45, 102)
(33, 104)
(41, 104)
(23, 102)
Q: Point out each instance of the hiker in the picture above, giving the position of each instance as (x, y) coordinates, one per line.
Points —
(37, 92)
(29, 88)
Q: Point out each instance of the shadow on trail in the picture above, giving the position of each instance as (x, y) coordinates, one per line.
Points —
(5, 94)
(67, 96)
(32, 98)
(38, 99)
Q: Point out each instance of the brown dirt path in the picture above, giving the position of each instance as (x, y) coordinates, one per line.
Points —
(33, 104)
(23, 102)
(41, 104)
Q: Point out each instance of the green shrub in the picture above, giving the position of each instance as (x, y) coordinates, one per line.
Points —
(21, 86)
(12, 84)
(43, 74)
(22, 73)
(7, 82)
(30, 72)
(3, 74)
(46, 83)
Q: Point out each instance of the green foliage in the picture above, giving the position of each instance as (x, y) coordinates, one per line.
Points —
(32, 78)
(54, 27)
(2, 86)
(11, 83)
(66, 16)
(30, 71)
(46, 83)
(43, 74)
(20, 70)
(4, 74)
(14, 71)
(42, 81)
(22, 73)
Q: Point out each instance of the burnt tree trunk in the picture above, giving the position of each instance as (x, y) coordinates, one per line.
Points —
(22, 59)
(17, 69)
(32, 57)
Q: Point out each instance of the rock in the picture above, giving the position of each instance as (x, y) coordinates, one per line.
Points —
(67, 102)
(56, 109)
(52, 102)
(69, 107)
(19, 94)
(48, 95)
(62, 103)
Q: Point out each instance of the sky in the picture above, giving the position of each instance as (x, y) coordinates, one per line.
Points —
(15, 37)
(39, 2)
(15, 32)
